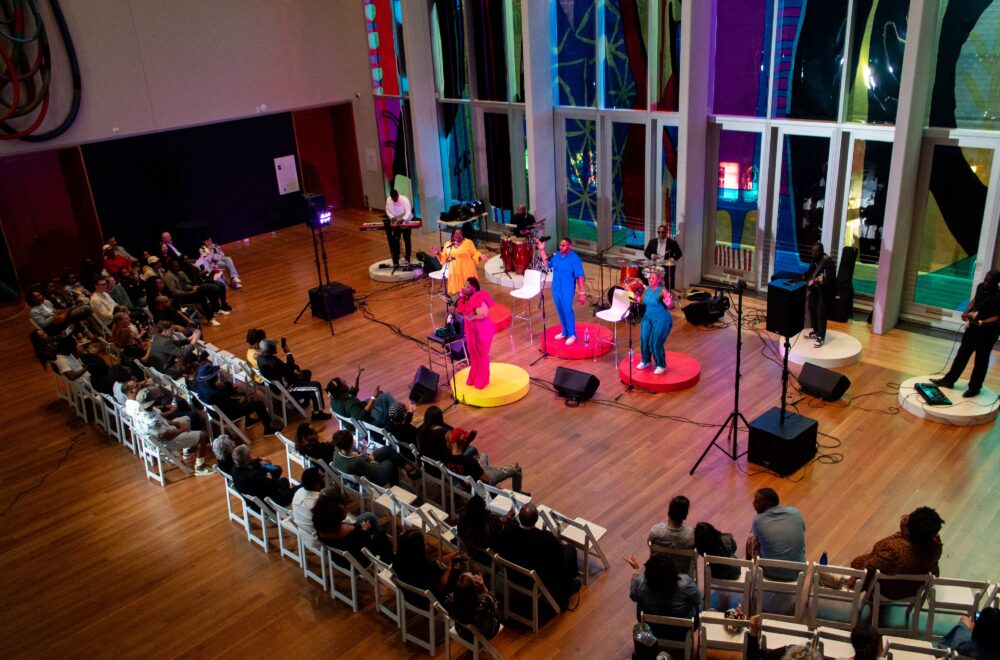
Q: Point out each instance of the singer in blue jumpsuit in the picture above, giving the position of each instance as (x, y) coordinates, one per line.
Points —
(567, 270)
(656, 323)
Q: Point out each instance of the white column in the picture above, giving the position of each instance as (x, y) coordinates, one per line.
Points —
(914, 97)
(539, 118)
(696, 62)
(423, 110)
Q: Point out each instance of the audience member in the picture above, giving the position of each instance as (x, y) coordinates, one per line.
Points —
(415, 568)
(380, 466)
(537, 549)
(44, 346)
(400, 423)
(117, 249)
(308, 443)
(223, 448)
(976, 639)
(254, 337)
(212, 259)
(313, 482)
(913, 550)
(224, 396)
(432, 436)
(102, 304)
(754, 650)
(74, 292)
(186, 294)
(165, 351)
(296, 381)
(344, 402)
(259, 478)
(163, 309)
(674, 533)
(459, 461)
(114, 263)
(663, 591)
(777, 532)
(174, 434)
(46, 317)
(479, 528)
(867, 641)
(329, 518)
(472, 604)
(713, 543)
(124, 335)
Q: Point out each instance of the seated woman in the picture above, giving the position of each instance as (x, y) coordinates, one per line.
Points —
(223, 448)
(432, 436)
(479, 528)
(472, 604)
(330, 520)
(307, 443)
(254, 337)
(460, 461)
(127, 339)
(400, 423)
(259, 477)
(710, 541)
(344, 401)
(381, 466)
(661, 590)
(414, 567)
(976, 639)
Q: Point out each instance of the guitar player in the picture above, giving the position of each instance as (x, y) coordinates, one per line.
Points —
(821, 284)
(397, 209)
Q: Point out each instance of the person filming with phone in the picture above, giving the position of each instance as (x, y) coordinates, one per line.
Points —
(344, 401)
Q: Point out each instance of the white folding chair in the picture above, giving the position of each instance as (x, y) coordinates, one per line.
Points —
(217, 419)
(255, 509)
(479, 644)
(461, 487)
(419, 604)
(310, 546)
(343, 563)
(434, 474)
(280, 400)
(432, 522)
(291, 456)
(686, 561)
(583, 534)
(728, 592)
(717, 633)
(530, 289)
(614, 315)
(285, 524)
(112, 417)
(899, 616)
(954, 598)
(520, 582)
(501, 500)
(685, 645)
(375, 434)
(897, 649)
(776, 633)
(388, 499)
(383, 585)
(832, 603)
(835, 642)
(154, 455)
(233, 496)
(777, 599)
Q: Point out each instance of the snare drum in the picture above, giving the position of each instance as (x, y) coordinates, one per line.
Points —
(507, 253)
(627, 269)
(635, 288)
(522, 254)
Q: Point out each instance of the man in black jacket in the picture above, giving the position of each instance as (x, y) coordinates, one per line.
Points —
(296, 381)
(983, 317)
(537, 549)
(664, 247)
(821, 283)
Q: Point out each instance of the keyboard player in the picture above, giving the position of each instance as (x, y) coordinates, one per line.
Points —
(398, 209)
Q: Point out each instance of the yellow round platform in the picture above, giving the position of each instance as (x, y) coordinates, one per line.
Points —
(508, 383)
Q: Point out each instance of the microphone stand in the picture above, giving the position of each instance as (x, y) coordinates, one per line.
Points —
(545, 327)
(449, 355)
(731, 425)
(627, 315)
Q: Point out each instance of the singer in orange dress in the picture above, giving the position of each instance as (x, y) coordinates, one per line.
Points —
(460, 257)
(474, 305)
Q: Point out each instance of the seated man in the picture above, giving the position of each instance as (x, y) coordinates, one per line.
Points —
(224, 396)
(211, 258)
(460, 461)
(344, 401)
(381, 466)
(67, 361)
(183, 293)
(163, 309)
(114, 263)
(296, 381)
(165, 350)
(913, 550)
(259, 478)
(777, 532)
(175, 434)
(538, 549)
(102, 303)
(313, 482)
(674, 533)
(73, 290)
(46, 317)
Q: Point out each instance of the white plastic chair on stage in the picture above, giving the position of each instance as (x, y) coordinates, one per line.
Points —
(530, 290)
(614, 315)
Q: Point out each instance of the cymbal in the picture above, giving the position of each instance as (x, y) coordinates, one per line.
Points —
(669, 262)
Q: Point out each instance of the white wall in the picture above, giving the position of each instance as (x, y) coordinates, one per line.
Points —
(156, 65)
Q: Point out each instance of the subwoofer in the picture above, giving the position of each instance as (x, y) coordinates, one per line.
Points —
(786, 307)
(823, 383)
(425, 385)
(782, 447)
(706, 312)
(576, 385)
(339, 301)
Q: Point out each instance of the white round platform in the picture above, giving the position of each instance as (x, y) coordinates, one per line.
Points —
(980, 409)
(839, 350)
(379, 274)
(495, 274)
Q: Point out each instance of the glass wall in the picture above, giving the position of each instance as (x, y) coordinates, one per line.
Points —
(809, 47)
(628, 185)
(490, 49)
(801, 200)
(966, 91)
(496, 126)
(626, 27)
(457, 149)
(666, 93)
(581, 178)
(575, 48)
(742, 57)
(668, 179)
(879, 38)
(451, 72)
(869, 175)
(736, 202)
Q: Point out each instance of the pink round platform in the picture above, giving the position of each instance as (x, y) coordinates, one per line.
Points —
(579, 350)
(500, 315)
(683, 371)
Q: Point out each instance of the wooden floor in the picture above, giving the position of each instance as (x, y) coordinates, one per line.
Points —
(97, 561)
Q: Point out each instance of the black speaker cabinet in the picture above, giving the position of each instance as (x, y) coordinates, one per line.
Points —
(786, 307)
(827, 385)
(576, 385)
(782, 448)
(703, 312)
(314, 204)
(425, 385)
(339, 301)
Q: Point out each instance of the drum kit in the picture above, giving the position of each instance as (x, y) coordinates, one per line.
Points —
(629, 275)
(518, 253)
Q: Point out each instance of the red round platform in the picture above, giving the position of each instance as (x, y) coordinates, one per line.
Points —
(578, 350)
(500, 315)
(683, 371)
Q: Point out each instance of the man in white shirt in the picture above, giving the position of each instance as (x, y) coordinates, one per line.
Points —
(305, 499)
(102, 303)
(67, 363)
(397, 209)
(211, 257)
(174, 434)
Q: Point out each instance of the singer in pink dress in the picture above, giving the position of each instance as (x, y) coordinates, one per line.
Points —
(474, 305)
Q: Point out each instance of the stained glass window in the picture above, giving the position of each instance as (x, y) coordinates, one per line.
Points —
(736, 201)
(395, 150)
(800, 201)
(809, 59)
(669, 178)
(576, 52)
(457, 153)
(742, 57)
(879, 38)
(866, 209)
(666, 94)
(489, 48)
(384, 26)
(448, 36)
(626, 27)
(581, 178)
(628, 184)
(966, 92)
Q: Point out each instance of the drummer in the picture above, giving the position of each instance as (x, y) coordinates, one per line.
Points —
(661, 248)
(523, 221)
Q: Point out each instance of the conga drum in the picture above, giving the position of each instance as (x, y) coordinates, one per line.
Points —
(522, 255)
(507, 253)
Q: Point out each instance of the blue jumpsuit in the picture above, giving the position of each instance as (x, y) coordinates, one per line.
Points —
(656, 325)
(565, 272)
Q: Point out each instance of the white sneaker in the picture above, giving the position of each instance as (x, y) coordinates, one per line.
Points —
(214, 322)
(641, 365)
(659, 370)
(223, 312)
(569, 342)
(819, 342)
(560, 336)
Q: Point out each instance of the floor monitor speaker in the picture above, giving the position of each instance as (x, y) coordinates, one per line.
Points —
(576, 385)
(827, 385)
(425, 385)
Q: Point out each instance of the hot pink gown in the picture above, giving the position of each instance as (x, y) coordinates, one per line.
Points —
(478, 339)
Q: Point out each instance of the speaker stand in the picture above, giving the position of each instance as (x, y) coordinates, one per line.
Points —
(731, 425)
(318, 247)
